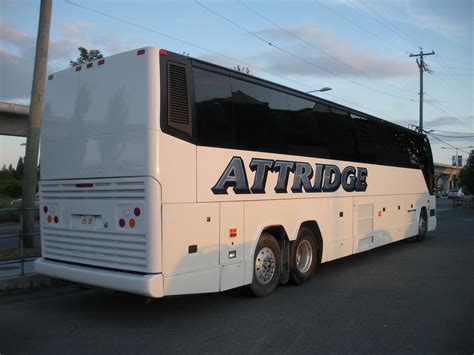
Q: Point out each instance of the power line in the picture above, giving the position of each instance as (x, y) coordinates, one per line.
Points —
(210, 51)
(392, 26)
(439, 130)
(361, 27)
(454, 137)
(443, 110)
(442, 64)
(187, 43)
(444, 142)
(309, 44)
(260, 38)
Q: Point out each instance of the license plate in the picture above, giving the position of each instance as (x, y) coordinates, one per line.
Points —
(87, 220)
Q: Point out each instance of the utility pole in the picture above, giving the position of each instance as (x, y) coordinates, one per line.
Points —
(422, 66)
(34, 121)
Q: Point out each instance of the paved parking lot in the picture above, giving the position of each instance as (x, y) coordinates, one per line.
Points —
(405, 297)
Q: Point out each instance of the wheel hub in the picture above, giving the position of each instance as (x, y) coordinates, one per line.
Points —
(265, 266)
(304, 256)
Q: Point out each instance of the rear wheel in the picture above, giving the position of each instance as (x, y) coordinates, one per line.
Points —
(422, 226)
(266, 267)
(304, 256)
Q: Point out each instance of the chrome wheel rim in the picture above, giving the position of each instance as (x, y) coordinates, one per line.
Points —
(304, 256)
(265, 266)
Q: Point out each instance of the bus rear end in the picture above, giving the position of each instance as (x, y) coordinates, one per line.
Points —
(100, 197)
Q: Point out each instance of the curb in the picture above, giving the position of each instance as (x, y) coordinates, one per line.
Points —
(25, 283)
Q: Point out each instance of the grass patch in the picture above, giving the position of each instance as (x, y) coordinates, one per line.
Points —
(14, 253)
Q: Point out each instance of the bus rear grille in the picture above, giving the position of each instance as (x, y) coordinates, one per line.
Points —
(98, 246)
(116, 251)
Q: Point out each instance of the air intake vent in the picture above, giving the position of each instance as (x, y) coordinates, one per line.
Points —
(179, 115)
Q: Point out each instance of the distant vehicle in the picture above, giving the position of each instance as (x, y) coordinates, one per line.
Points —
(456, 193)
(19, 200)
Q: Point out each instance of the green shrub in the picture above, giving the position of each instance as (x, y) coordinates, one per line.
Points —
(10, 188)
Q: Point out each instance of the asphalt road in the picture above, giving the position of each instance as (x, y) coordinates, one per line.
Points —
(405, 297)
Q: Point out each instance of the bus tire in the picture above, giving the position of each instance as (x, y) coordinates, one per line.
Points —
(304, 256)
(422, 226)
(266, 266)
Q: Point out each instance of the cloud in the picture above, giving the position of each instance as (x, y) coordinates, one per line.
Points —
(329, 55)
(228, 62)
(443, 18)
(17, 53)
(17, 75)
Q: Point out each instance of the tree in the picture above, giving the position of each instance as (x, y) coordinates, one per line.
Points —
(86, 56)
(466, 176)
(245, 70)
(20, 167)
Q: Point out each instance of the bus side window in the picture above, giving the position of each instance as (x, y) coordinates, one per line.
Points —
(338, 127)
(260, 117)
(305, 136)
(364, 134)
(215, 126)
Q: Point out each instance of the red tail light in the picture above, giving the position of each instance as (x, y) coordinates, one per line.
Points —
(137, 211)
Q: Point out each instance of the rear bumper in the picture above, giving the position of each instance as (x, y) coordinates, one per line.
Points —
(147, 285)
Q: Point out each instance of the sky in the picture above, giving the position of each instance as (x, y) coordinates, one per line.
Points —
(359, 48)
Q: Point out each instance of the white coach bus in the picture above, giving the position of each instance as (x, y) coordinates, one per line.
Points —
(163, 175)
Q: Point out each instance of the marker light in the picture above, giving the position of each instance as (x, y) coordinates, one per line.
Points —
(56, 219)
(89, 65)
(132, 223)
(78, 68)
(51, 77)
(137, 211)
(163, 52)
(140, 52)
(233, 232)
(45, 209)
(50, 219)
(122, 222)
(101, 61)
(84, 185)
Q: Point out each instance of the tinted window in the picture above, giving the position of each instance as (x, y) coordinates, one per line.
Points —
(389, 149)
(337, 126)
(305, 137)
(212, 93)
(364, 131)
(260, 116)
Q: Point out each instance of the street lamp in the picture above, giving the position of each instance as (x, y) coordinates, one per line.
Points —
(457, 148)
(320, 90)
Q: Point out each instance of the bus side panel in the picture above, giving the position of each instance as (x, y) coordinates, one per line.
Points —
(389, 218)
(153, 210)
(364, 229)
(340, 221)
(231, 244)
(191, 248)
(261, 214)
(412, 215)
(177, 169)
